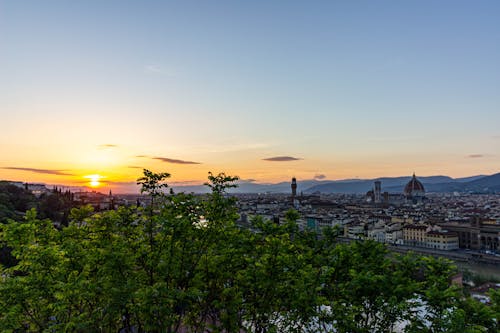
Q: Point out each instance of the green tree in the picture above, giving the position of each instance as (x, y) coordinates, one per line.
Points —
(495, 307)
(470, 315)
(56, 206)
(28, 289)
(153, 184)
(14, 201)
(436, 299)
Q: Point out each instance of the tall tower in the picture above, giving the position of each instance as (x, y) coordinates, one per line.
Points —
(294, 187)
(377, 191)
(111, 201)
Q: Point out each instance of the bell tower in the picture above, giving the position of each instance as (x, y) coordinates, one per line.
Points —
(294, 187)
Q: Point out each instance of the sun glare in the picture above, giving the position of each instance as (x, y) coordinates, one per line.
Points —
(94, 180)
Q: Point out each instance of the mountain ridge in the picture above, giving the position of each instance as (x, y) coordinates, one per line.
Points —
(479, 184)
(438, 183)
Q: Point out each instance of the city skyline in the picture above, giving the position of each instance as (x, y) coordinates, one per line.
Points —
(92, 92)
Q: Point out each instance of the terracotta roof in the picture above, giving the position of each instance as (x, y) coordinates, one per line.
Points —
(442, 233)
(414, 185)
(416, 227)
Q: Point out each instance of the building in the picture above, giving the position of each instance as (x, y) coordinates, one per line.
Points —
(376, 196)
(415, 234)
(377, 191)
(377, 233)
(414, 190)
(476, 234)
(442, 240)
(36, 189)
(294, 191)
(294, 187)
(420, 235)
(394, 233)
(354, 231)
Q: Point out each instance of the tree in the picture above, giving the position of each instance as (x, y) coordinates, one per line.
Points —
(152, 184)
(56, 206)
(14, 201)
(220, 208)
(436, 298)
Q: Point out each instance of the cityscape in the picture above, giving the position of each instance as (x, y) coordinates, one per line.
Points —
(463, 226)
(250, 167)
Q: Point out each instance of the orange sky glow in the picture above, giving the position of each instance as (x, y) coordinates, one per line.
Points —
(114, 167)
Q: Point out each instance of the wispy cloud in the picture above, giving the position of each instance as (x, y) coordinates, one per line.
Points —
(250, 180)
(107, 145)
(281, 159)
(174, 161)
(155, 69)
(134, 167)
(319, 177)
(152, 69)
(141, 156)
(44, 171)
(475, 156)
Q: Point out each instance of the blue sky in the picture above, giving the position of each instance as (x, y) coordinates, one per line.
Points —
(352, 88)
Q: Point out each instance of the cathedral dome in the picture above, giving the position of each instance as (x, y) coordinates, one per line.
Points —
(414, 188)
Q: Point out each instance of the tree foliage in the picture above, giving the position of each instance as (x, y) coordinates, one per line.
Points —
(186, 265)
(14, 201)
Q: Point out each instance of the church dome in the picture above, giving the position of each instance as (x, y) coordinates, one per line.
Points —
(414, 188)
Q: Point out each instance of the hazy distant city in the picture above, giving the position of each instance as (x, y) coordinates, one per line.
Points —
(455, 218)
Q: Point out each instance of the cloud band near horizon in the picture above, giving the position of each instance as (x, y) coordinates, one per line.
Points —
(44, 171)
(174, 161)
(107, 145)
(281, 159)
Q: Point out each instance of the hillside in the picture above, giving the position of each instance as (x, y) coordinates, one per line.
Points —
(477, 184)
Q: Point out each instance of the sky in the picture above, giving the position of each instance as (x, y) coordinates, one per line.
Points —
(97, 90)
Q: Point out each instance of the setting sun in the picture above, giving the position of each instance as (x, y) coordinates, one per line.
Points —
(94, 180)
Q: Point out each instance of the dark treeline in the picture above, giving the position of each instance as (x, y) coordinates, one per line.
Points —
(183, 265)
(15, 201)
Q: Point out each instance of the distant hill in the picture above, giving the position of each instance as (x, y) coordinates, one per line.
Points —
(389, 184)
(476, 184)
(484, 184)
(480, 183)
(469, 179)
(252, 187)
